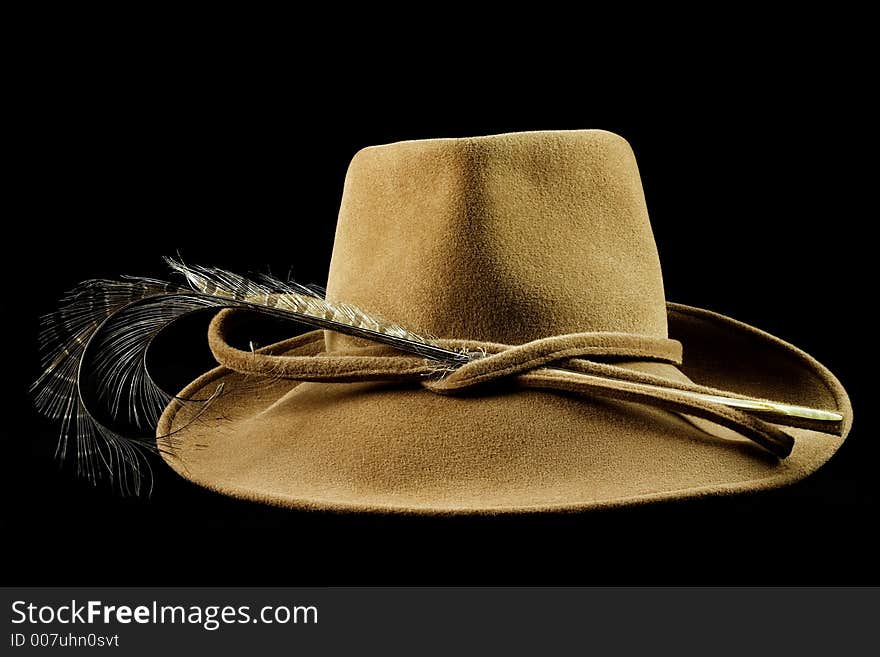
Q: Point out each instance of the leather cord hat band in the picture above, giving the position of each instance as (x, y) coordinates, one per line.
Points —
(588, 364)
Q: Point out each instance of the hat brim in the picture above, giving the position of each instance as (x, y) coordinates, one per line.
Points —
(391, 447)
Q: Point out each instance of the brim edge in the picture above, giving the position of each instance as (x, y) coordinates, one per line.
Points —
(788, 476)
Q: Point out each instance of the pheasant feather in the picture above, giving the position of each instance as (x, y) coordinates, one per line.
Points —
(99, 338)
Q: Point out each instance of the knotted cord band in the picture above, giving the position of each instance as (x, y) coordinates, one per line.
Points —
(582, 363)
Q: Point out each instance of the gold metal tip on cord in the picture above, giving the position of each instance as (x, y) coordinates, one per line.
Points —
(772, 407)
(761, 405)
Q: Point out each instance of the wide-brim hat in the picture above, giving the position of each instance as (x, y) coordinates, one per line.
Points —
(536, 249)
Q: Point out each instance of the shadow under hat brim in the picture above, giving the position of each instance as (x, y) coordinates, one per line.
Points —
(391, 447)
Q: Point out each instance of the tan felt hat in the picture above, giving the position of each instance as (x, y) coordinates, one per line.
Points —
(535, 248)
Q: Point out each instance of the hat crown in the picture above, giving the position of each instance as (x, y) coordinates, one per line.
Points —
(508, 238)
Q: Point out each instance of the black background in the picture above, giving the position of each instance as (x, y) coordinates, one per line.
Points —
(755, 181)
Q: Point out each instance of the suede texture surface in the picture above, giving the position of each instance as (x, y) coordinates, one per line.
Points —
(505, 239)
